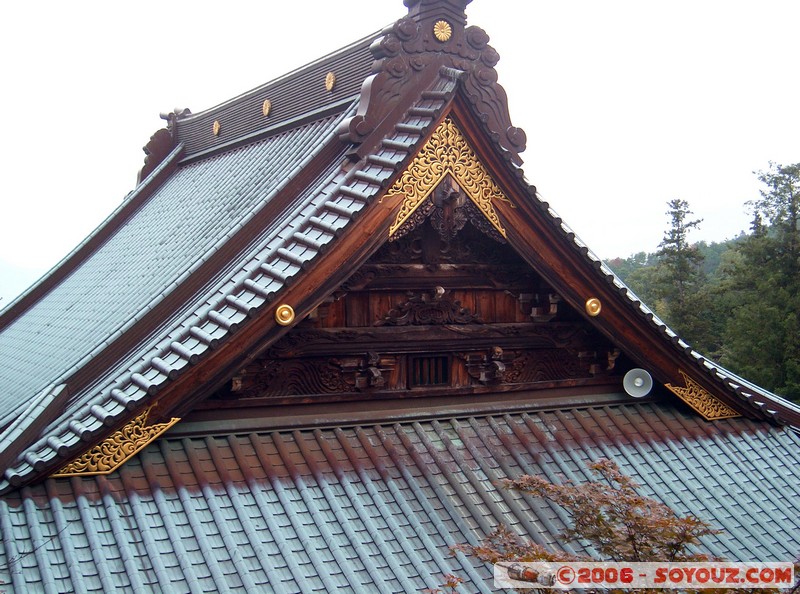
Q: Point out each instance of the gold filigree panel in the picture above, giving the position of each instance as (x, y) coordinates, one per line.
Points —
(701, 400)
(446, 151)
(113, 452)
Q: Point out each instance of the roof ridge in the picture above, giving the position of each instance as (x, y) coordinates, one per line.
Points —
(281, 78)
(432, 40)
(317, 86)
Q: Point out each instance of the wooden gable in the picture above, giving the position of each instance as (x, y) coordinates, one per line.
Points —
(452, 283)
(408, 257)
(382, 322)
(448, 307)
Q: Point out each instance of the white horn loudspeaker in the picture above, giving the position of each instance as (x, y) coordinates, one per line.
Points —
(637, 383)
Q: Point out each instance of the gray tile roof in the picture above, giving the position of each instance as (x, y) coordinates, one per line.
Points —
(188, 220)
(370, 507)
(183, 223)
(374, 507)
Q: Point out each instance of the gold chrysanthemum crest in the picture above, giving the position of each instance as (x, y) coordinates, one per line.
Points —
(117, 449)
(330, 81)
(701, 400)
(442, 31)
(446, 152)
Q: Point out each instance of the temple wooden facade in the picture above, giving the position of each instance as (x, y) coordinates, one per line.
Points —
(330, 317)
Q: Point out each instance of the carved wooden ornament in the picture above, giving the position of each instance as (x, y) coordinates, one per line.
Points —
(446, 152)
(432, 37)
(701, 400)
(113, 452)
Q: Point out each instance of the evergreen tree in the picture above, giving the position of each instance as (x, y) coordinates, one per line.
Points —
(679, 280)
(762, 337)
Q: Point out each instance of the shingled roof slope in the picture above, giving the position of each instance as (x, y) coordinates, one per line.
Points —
(185, 222)
(278, 245)
(292, 97)
(374, 507)
(369, 503)
(91, 356)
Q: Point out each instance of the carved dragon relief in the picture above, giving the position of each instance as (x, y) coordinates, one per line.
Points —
(446, 153)
(699, 399)
(113, 452)
(413, 52)
(425, 309)
(470, 248)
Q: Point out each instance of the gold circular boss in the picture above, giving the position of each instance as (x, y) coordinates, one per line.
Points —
(284, 314)
(593, 306)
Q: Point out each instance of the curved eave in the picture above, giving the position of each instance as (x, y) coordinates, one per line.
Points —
(578, 274)
(313, 253)
(746, 397)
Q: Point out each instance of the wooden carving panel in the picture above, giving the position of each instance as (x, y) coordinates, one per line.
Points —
(544, 366)
(410, 56)
(312, 379)
(447, 308)
(318, 364)
(424, 309)
(288, 378)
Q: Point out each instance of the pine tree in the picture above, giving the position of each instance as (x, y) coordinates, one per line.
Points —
(762, 336)
(679, 280)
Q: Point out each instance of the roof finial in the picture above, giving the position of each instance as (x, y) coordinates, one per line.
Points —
(432, 39)
(423, 9)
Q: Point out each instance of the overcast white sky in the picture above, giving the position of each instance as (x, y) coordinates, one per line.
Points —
(627, 104)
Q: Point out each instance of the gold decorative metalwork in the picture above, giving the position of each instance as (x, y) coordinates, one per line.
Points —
(446, 151)
(442, 31)
(215, 128)
(701, 400)
(330, 81)
(266, 107)
(593, 306)
(108, 456)
(284, 315)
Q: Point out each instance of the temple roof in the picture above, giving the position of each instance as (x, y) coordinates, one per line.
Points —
(275, 199)
(237, 202)
(375, 506)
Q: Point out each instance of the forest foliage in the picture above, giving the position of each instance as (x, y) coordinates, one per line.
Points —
(737, 302)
